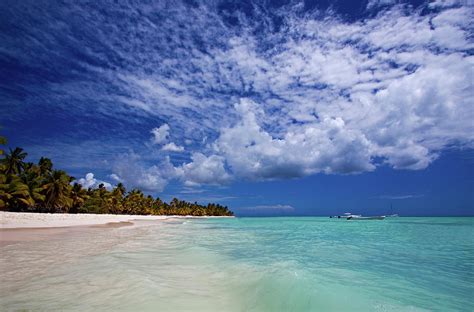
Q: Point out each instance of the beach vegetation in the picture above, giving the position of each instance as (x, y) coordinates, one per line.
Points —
(30, 187)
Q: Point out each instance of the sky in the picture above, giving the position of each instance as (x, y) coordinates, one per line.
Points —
(269, 107)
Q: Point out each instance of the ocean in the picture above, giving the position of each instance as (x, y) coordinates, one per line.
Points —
(246, 264)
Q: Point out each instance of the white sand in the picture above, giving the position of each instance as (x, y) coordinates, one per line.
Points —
(10, 220)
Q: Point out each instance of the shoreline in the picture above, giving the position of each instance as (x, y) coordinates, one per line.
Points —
(16, 227)
(34, 220)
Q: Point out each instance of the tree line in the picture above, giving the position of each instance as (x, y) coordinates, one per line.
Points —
(29, 187)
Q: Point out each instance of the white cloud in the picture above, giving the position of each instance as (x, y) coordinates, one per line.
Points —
(328, 146)
(172, 147)
(314, 95)
(115, 177)
(399, 197)
(386, 95)
(191, 190)
(90, 182)
(161, 134)
(269, 207)
(450, 3)
(378, 3)
(331, 97)
(131, 169)
(204, 170)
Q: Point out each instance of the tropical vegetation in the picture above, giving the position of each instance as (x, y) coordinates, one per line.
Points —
(29, 187)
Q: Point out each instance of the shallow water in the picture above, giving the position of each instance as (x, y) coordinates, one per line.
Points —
(247, 264)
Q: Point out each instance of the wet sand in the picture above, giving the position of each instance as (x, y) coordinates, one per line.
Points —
(10, 236)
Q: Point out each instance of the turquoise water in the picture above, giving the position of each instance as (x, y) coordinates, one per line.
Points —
(247, 264)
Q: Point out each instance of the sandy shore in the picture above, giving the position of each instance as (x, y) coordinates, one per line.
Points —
(20, 226)
(15, 220)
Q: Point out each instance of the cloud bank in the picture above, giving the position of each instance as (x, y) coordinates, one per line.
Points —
(264, 93)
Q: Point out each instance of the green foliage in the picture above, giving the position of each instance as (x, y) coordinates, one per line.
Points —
(13, 162)
(57, 190)
(3, 141)
(38, 187)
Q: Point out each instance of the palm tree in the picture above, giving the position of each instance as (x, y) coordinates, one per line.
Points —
(133, 202)
(5, 195)
(14, 161)
(31, 177)
(148, 205)
(117, 199)
(78, 196)
(21, 196)
(120, 188)
(3, 141)
(57, 189)
(105, 199)
(46, 166)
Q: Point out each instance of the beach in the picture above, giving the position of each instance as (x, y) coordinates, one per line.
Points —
(21, 226)
(10, 220)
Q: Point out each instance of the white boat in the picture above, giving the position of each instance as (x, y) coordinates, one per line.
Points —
(345, 216)
(366, 218)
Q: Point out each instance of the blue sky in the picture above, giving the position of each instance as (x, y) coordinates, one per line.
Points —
(269, 107)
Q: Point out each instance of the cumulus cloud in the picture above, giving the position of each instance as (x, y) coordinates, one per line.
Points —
(115, 177)
(327, 146)
(172, 147)
(90, 182)
(161, 134)
(204, 170)
(131, 169)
